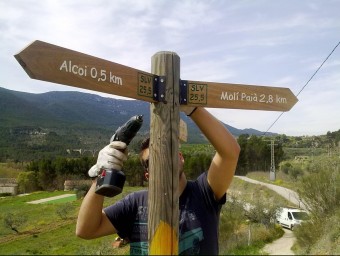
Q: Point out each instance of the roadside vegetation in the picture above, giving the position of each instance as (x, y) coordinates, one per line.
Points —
(310, 166)
(248, 219)
(320, 189)
(318, 185)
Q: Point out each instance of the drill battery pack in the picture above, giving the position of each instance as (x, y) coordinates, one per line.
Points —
(110, 183)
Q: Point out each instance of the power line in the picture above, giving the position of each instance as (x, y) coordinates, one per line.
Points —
(305, 84)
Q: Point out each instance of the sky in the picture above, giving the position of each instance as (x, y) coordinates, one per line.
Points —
(277, 43)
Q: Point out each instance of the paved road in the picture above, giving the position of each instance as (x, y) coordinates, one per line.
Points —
(289, 194)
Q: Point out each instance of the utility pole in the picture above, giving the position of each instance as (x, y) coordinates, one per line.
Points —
(272, 173)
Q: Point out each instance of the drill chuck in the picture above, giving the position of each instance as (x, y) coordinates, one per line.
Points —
(129, 130)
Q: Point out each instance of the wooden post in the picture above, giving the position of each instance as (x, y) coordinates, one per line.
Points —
(163, 210)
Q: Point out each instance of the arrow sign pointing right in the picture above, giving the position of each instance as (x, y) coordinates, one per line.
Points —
(237, 96)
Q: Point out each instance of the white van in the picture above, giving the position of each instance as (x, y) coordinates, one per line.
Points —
(290, 217)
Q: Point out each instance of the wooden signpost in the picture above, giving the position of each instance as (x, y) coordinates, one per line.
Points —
(164, 89)
(55, 64)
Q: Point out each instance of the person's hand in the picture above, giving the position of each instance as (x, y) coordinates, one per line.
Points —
(187, 110)
(110, 157)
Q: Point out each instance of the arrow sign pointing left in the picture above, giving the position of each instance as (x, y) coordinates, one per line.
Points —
(47, 62)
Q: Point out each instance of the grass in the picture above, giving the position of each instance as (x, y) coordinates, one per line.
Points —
(45, 232)
(60, 241)
(282, 179)
(253, 249)
(247, 191)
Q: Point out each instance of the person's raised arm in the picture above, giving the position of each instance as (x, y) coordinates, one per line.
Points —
(92, 221)
(223, 165)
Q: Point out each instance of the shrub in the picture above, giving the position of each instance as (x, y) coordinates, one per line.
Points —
(262, 211)
(64, 210)
(308, 233)
(278, 182)
(6, 194)
(82, 190)
(286, 167)
(14, 221)
(232, 216)
(319, 236)
(264, 234)
(295, 172)
(321, 192)
(234, 227)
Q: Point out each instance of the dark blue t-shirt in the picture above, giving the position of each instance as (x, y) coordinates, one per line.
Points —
(198, 222)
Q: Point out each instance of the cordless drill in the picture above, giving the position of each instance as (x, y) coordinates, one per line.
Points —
(111, 182)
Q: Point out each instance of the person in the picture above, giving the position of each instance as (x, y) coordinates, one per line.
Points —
(200, 200)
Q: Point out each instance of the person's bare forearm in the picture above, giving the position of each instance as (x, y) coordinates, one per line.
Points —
(223, 164)
(221, 139)
(90, 214)
(92, 221)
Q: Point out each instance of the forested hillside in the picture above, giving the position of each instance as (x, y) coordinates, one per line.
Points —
(56, 123)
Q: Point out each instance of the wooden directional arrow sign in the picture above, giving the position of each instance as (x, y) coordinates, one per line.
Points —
(55, 64)
(238, 96)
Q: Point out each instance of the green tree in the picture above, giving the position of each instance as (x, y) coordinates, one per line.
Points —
(255, 154)
(262, 212)
(46, 175)
(195, 163)
(286, 167)
(295, 172)
(27, 182)
(133, 171)
(242, 165)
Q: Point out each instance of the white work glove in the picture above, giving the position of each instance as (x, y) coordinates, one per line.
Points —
(110, 157)
(187, 110)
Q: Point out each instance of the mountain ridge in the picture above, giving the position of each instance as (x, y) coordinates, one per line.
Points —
(62, 108)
